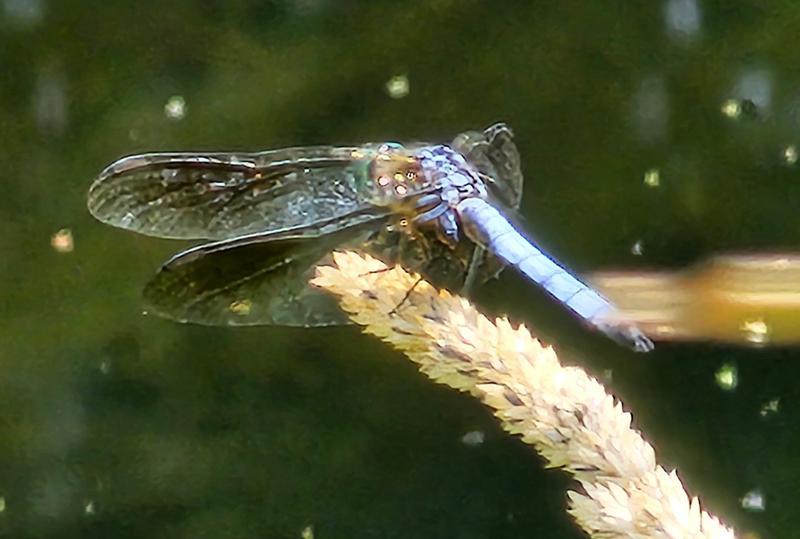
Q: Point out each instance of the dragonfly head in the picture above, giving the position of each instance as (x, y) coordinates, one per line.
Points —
(394, 177)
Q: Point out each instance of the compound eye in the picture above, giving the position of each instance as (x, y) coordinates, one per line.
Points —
(387, 147)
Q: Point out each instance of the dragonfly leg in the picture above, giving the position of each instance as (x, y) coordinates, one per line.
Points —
(421, 242)
(427, 201)
(430, 215)
(447, 229)
(471, 277)
(441, 217)
(409, 248)
(389, 254)
(406, 296)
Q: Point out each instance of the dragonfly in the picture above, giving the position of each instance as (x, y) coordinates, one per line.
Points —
(269, 218)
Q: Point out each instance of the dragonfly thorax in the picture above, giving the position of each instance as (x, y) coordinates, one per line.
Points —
(450, 172)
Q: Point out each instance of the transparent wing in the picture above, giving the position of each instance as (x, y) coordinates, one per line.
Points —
(494, 153)
(255, 280)
(263, 279)
(225, 195)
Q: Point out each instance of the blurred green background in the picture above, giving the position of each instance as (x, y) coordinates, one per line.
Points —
(113, 424)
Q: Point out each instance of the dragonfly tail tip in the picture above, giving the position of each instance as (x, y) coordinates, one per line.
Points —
(628, 335)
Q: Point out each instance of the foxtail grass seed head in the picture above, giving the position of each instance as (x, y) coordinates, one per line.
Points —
(563, 412)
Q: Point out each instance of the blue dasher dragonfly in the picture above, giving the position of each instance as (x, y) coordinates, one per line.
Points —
(272, 216)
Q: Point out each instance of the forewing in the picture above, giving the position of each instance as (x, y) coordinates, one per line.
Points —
(258, 280)
(224, 195)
